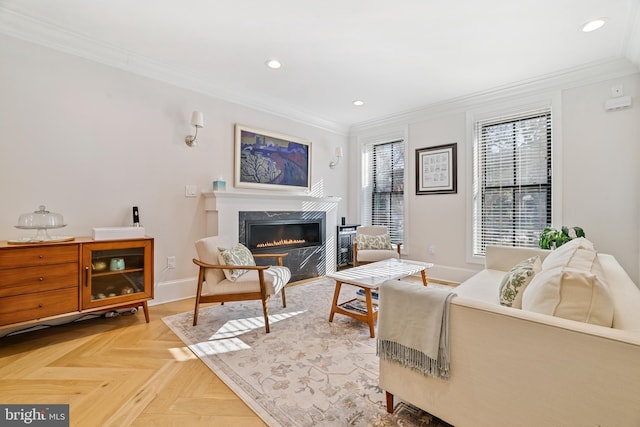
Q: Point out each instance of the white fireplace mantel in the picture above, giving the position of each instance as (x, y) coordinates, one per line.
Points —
(222, 208)
(213, 198)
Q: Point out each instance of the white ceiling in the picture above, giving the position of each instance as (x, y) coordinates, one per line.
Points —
(397, 56)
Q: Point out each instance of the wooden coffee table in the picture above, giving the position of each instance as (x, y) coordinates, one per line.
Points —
(369, 277)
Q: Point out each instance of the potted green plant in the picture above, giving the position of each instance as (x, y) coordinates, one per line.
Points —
(550, 238)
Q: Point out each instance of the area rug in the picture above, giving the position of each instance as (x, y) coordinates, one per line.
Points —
(307, 371)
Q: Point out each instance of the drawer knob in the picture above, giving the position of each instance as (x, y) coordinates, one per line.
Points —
(41, 279)
(40, 256)
(40, 305)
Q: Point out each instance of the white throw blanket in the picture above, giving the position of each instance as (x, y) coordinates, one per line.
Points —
(413, 326)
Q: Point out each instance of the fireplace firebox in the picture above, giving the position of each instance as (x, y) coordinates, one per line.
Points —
(263, 235)
(299, 234)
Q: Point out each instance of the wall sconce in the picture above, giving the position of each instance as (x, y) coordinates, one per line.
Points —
(338, 154)
(197, 121)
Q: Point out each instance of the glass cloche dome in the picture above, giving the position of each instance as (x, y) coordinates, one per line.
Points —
(41, 220)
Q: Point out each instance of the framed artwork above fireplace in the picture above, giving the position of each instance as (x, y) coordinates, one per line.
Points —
(271, 161)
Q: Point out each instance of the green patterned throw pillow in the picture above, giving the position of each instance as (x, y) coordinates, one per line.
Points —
(515, 281)
(366, 241)
(238, 255)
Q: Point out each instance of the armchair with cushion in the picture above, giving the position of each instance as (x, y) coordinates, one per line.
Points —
(373, 244)
(231, 275)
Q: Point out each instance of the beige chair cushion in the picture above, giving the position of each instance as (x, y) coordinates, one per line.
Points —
(571, 294)
(375, 255)
(516, 281)
(237, 255)
(276, 277)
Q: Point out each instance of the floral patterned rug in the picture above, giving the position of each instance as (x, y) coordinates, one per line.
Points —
(307, 371)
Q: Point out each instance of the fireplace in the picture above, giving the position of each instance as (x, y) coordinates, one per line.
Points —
(264, 235)
(299, 234)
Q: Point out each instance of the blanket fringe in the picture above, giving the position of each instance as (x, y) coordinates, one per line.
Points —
(414, 359)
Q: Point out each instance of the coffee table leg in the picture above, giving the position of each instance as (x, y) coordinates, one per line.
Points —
(370, 315)
(424, 278)
(336, 295)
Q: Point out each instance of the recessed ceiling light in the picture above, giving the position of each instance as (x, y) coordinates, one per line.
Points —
(273, 64)
(358, 103)
(592, 25)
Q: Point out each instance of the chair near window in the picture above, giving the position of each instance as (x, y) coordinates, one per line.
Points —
(221, 281)
(373, 244)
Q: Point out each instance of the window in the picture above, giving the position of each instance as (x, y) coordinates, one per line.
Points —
(383, 185)
(511, 180)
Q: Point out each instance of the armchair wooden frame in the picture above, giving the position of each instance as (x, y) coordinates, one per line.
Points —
(242, 296)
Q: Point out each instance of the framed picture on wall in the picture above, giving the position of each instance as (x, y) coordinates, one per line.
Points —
(271, 161)
(436, 169)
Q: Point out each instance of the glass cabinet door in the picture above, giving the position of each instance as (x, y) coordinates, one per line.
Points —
(116, 272)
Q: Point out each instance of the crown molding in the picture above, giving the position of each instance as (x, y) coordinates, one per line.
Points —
(566, 79)
(21, 26)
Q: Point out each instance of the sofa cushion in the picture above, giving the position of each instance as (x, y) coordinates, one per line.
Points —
(516, 280)
(366, 241)
(237, 255)
(482, 286)
(571, 294)
(577, 253)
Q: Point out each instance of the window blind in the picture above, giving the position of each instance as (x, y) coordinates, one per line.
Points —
(512, 180)
(383, 199)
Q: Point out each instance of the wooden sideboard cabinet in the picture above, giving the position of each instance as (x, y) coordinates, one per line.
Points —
(44, 281)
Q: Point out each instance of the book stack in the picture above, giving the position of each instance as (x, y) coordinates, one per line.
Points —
(362, 297)
(358, 306)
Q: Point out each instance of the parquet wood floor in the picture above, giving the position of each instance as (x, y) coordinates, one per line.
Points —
(119, 372)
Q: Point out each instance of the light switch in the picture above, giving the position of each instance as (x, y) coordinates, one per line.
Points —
(190, 191)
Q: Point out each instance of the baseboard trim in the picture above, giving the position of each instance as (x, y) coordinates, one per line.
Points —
(174, 290)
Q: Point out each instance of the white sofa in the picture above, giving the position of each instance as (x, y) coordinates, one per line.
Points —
(511, 367)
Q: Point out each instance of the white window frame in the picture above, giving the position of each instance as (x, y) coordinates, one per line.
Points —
(381, 137)
(506, 108)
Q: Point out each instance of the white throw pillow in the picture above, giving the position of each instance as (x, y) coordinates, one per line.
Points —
(516, 280)
(576, 253)
(238, 255)
(571, 294)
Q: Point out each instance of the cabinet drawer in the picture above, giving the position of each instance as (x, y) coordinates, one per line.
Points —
(28, 280)
(36, 306)
(41, 255)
